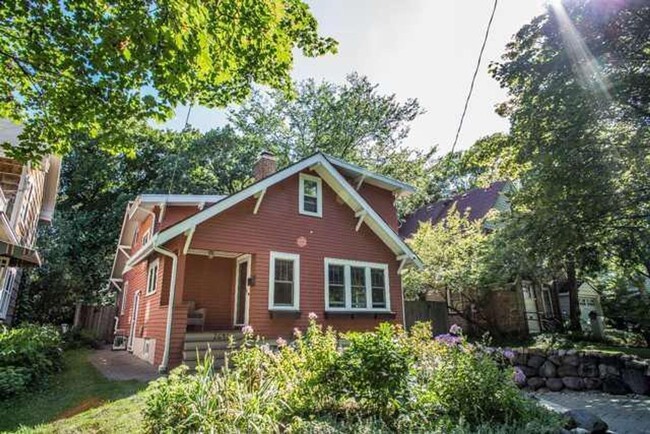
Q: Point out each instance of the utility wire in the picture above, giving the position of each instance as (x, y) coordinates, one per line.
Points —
(478, 65)
(185, 128)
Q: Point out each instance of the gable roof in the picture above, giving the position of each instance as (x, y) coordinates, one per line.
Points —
(321, 164)
(372, 178)
(476, 203)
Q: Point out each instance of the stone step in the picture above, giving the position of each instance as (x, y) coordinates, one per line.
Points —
(204, 345)
(218, 363)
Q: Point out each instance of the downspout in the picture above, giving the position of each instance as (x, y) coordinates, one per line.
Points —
(164, 366)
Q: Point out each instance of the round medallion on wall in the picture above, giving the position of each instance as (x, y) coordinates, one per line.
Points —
(301, 241)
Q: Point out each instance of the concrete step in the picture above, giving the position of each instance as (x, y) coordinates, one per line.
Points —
(221, 335)
(204, 345)
(218, 363)
(194, 354)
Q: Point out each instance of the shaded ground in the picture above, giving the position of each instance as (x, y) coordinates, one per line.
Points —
(627, 414)
(78, 388)
(122, 366)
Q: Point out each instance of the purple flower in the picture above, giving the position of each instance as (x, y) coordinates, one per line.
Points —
(312, 316)
(448, 339)
(508, 354)
(519, 377)
(280, 342)
(455, 330)
(247, 330)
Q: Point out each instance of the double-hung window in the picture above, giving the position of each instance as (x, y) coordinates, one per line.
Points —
(311, 195)
(125, 289)
(284, 281)
(146, 237)
(354, 285)
(152, 277)
(7, 277)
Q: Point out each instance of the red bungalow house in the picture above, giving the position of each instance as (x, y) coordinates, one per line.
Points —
(318, 236)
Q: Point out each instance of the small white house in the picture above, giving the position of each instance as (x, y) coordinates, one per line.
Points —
(588, 299)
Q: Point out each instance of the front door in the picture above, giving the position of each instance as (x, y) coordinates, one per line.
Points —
(241, 290)
(134, 319)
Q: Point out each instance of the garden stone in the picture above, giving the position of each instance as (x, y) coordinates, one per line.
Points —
(614, 385)
(592, 383)
(636, 381)
(588, 369)
(536, 361)
(583, 419)
(520, 359)
(554, 384)
(571, 360)
(579, 431)
(528, 371)
(606, 370)
(573, 383)
(535, 382)
(548, 369)
(555, 359)
(567, 371)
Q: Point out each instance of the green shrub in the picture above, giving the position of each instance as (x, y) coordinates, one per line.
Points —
(28, 354)
(78, 337)
(373, 371)
(382, 381)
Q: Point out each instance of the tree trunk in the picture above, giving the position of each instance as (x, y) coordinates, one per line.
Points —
(574, 305)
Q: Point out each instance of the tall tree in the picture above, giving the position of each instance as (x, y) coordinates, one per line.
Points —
(99, 67)
(576, 78)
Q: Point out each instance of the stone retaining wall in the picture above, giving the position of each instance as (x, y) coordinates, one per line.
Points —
(584, 370)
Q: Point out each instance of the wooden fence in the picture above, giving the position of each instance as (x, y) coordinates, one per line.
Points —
(432, 311)
(98, 319)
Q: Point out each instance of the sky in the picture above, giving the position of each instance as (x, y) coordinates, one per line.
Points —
(424, 49)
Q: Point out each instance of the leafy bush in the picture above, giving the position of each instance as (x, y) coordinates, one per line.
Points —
(384, 381)
(78, 337)
(27, 354)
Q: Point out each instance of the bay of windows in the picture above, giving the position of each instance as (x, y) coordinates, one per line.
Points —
(353, 285)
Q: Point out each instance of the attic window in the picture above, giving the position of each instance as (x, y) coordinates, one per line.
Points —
(311, 196)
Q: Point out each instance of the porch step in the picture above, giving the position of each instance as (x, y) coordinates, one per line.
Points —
(194, 354)
(212, 336)
(204, 345)
(218, 363)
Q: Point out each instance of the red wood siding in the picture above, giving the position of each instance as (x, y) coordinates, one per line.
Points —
(174, 214)
(210, 284)
(279, 227)
(383, 202)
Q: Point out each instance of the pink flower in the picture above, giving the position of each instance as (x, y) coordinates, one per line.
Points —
(296, 332)
(247, 330)
(312, 316)
(280, 342)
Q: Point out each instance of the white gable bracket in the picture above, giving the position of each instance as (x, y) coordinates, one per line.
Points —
(189, 234)
(123, 250)
(401, 266)
(360, 215)
(163, 207)
(260, 197)
(360, 181)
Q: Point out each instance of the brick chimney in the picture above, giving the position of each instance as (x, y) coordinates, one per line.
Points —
(265, 166)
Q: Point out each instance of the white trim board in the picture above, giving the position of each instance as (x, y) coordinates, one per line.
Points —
(330, 175)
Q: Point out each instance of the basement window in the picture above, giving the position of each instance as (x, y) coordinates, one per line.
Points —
(311, 196)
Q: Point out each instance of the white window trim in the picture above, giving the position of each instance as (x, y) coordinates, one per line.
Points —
(319, 195)
(348, 290)
(296, 280)
(149, 290)
(5, 296)
(125, 290)
(146, 236)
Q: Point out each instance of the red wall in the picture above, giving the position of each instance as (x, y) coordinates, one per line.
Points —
(277, 227)
(383, 202)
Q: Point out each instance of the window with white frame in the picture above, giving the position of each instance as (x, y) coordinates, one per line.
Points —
(311, 195)
(284, 281)
(125, 289)
(146, 237)
(6, 290)
(354, 285)
(152, 277)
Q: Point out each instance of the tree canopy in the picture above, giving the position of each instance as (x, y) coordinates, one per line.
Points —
(99, 68)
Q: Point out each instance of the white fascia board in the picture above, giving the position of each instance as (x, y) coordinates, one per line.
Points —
(373, 220)
(120, 240)
(367, 175)
(326, 170)
(179, 199)
(234, 199)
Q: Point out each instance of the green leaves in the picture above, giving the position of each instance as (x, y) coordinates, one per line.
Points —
(87, 67)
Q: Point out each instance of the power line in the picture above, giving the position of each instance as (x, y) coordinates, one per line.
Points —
(478, 65)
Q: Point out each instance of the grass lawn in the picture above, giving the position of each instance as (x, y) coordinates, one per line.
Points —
(78, 399)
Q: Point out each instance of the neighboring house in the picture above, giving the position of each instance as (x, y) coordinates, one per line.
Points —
(318, 236)
(506, 309)
(588, 300)
(27, 195)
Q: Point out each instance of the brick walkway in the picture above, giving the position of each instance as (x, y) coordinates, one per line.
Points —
(627, 414)
(122, 366)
